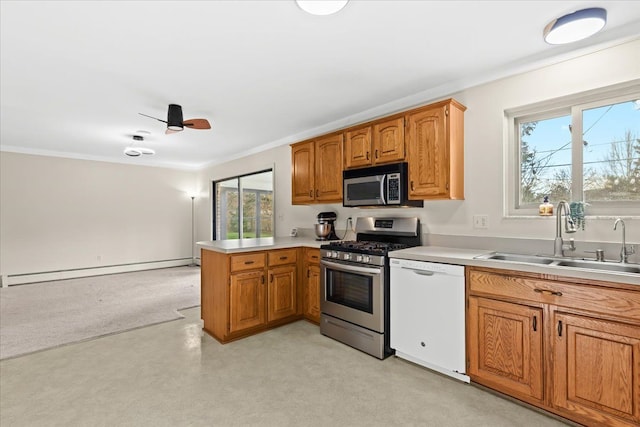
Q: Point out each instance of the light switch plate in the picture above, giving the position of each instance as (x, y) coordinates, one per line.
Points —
(294, 232)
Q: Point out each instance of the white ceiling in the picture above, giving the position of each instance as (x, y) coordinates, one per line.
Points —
(75, 74)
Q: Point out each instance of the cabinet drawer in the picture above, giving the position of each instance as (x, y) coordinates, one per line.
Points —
(285, 256)
(247, 261)
(613, 302)
(312, 256)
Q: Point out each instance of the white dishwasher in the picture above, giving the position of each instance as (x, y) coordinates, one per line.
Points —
(427, 315)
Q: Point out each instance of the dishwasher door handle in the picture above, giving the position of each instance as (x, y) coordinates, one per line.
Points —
(420, 272)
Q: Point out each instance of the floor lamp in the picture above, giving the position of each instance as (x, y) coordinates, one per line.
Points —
(193, 235)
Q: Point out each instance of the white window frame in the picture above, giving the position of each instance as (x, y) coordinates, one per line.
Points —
(572, 105)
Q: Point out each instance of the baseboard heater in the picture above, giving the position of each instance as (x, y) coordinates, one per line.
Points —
(73, 273)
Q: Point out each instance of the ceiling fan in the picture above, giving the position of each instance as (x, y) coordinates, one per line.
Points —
(175, 123)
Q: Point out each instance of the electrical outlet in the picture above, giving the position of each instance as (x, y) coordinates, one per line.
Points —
(481, 221)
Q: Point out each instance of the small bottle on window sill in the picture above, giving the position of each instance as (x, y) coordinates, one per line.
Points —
(546, 208)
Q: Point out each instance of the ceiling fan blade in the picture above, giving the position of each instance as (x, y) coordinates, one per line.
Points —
(155, 118)
(170, 131)
(197, 123)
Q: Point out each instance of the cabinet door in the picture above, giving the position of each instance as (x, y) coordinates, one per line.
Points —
(246, 302)
(505, 347)
(282, 292)
(302, 173)
(428, 153)
(328, 171)
(597, 369)
(357, 146)
(312, 293)
(388, 141)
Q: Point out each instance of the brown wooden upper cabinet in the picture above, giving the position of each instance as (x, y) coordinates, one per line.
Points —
(380, 142)
(435, 145)
(316, 170)
(430, 139)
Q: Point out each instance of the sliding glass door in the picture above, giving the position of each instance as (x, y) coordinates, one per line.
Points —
(243, 206)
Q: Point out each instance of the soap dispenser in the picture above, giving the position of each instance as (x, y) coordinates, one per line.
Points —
(546, 208)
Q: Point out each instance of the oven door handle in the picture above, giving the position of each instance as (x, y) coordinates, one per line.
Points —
(351, 268)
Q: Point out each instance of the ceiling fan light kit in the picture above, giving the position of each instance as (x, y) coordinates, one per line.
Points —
(174, 118)
(176, 123)
(575, 26)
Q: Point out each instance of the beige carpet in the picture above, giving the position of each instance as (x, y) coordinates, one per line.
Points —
(43, 315)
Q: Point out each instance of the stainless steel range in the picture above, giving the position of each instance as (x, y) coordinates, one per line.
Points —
(355, 282)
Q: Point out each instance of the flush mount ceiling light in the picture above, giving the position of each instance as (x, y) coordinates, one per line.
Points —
(138, 151)
(321, 7)
(575, 26)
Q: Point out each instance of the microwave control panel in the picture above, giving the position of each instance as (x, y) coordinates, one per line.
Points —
(393, 188)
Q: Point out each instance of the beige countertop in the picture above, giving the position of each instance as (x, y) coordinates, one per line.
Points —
(468, 257)
(247, 245)
(440, 254)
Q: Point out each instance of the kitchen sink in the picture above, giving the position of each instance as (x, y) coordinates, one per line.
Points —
(529, 259)
(607, 266)
(562, 262)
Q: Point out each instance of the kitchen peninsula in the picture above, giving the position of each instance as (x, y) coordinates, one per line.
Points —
(251, 285)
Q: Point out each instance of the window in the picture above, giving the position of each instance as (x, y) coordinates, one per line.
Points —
(581, 149)
(243, 206)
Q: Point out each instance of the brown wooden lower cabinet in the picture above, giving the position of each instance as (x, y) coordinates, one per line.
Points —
(249, 292)
(311, 280)
(507, 339)
(570, 346)
(246, 300)
(597, 368)
(282, 292)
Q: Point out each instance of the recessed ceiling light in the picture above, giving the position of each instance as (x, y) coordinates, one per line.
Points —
(321, 7)
(575, 26)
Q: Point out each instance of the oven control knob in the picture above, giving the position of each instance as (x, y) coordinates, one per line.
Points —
(366, 259)
(359, 258)
(333, 254)
(346, 256)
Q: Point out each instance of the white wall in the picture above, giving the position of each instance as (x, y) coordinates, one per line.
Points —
(60, 214)
(484, 155)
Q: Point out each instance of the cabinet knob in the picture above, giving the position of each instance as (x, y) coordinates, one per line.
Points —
(412, 186)
(310, 193)
(376, 154)
(423, 344)
(367, 155)
(317, 193)
(271, 278)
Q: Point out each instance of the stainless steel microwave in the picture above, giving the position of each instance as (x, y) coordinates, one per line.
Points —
(385, 185)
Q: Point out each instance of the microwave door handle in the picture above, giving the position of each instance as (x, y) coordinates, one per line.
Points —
(383, 189)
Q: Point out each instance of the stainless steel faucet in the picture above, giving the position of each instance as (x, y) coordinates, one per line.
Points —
(624, 251)
(569, 226)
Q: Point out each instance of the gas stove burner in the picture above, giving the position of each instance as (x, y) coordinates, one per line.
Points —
(366, 247)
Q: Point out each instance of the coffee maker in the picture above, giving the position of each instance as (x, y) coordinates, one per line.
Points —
(325, 228)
